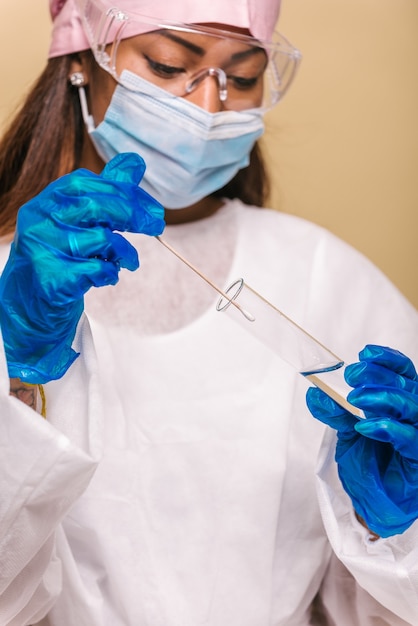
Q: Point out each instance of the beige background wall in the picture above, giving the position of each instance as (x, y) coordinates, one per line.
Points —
(343, 144)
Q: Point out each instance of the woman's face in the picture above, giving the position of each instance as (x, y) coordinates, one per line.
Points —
(171, 59)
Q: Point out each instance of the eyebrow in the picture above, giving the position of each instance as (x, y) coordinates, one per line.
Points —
(237, 56)
(183, 42)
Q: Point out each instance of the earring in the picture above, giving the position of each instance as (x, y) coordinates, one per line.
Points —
(77, 79)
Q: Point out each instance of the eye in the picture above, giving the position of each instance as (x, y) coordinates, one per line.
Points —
(239, 82)
(162, 70)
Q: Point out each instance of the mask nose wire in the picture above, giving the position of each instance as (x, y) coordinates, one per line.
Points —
(217, 73)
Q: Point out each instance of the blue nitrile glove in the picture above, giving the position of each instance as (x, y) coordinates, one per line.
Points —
(65, 244)
(378, 456)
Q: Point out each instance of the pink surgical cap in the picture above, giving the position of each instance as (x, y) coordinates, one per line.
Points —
(258, 16)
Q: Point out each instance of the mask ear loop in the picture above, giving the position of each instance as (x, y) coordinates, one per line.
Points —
(77, 80)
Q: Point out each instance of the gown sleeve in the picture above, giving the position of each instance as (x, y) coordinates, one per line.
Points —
(336, 294)
(46, 464)
(368, 581)
(366, 578)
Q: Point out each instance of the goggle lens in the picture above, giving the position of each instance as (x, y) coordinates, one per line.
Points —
(179, 57)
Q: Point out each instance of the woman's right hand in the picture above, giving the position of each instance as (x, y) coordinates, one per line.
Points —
(64, 244)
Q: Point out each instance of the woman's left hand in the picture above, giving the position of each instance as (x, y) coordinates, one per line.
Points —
(378, 456)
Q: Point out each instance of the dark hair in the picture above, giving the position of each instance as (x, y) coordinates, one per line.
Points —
(45, 140)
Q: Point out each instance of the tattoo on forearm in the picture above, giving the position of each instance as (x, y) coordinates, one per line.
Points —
(24, 393)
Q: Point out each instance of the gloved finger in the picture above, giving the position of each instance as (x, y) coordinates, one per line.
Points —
(121, 251)
(104, 244)
(403, 437)
(383, 401)
(390, 358)
(368, 373)
(329, 412)
(99, 273)
(119, 206)
(126, 167)
(80, 276)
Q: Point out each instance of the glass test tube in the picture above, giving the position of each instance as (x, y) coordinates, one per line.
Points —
(288, 340)
(279, 333)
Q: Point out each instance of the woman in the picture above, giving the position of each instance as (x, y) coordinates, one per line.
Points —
(173, 480)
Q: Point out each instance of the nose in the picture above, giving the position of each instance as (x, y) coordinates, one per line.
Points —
(208, 90)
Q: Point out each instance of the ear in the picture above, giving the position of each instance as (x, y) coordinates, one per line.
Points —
(79, 68)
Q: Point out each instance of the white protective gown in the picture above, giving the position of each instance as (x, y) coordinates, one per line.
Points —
(179, 477)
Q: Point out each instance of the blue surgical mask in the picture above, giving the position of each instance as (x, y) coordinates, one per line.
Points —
(189, 153)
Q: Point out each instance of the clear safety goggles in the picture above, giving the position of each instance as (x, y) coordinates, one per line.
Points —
(179, 57)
